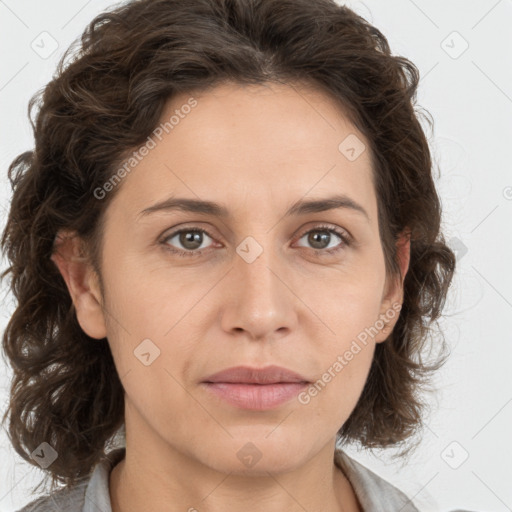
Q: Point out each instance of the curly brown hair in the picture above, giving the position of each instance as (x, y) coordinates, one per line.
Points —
(106, 99)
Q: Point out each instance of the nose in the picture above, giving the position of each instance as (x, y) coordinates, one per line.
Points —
(259, 297)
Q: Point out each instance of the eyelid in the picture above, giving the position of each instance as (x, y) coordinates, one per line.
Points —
(347, 240)
(312, 225)
(170, 233)
(319, 226)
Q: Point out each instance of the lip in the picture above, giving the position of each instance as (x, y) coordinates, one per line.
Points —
(255, 397)
(247, 375)
(256, 389)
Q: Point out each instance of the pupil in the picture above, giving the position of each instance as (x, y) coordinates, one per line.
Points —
(191, 237)
(317, 237)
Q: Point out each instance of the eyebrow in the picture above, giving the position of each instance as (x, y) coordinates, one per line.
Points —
(300, 207)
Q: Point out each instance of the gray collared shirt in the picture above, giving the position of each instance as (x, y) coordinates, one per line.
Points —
(92, 494)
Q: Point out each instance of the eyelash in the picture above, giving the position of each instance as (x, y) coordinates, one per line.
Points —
(346, 241)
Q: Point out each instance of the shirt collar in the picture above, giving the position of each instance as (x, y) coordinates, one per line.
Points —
(97, 495)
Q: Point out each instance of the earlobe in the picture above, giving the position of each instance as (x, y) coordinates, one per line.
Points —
(392, 302)
(82, 283)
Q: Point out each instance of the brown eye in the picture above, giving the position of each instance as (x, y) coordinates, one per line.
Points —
(321, 239)
(189, 239)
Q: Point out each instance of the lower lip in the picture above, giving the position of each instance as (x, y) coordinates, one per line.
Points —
(256, 397)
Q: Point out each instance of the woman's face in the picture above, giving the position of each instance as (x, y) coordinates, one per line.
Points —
(257, 286)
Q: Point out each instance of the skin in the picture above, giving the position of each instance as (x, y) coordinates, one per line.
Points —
(257, 150)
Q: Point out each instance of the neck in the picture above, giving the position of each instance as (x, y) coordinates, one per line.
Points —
(134, 488)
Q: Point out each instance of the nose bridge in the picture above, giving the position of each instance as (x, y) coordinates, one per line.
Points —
(256, 256)
(261, 303)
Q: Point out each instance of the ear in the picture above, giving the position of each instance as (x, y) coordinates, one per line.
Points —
(394, 291)
(82, 282)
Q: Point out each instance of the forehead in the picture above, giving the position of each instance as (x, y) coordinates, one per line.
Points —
(259, 144)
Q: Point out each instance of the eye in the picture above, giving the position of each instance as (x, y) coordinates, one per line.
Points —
(190, 238)
(319, 236)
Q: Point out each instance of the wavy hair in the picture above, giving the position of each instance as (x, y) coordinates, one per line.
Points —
(105, 99)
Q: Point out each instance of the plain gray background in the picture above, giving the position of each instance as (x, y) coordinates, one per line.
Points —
(462, 50)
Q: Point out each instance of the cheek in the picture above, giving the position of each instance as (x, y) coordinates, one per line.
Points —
(151, 325)
(343, 343)
(346, 304)
(143, 303)
(345, 366)
(335, 307)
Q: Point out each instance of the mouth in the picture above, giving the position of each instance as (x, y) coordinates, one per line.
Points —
(248, 375)
(255, 389)
(255, 397)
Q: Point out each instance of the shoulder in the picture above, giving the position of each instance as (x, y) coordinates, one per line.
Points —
(374, 492)
(69, 499)
(90, 494)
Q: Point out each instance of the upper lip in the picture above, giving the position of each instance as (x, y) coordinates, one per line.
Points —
(247, 375)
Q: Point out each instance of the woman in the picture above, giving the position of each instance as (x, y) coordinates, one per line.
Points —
(226, 253)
